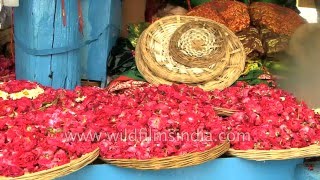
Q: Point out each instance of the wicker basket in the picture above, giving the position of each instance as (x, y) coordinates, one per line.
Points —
(144, 70)
(158, 67)
(60, 171)
(199, 44)
(186, 160)
(155, 51)
(264, 155)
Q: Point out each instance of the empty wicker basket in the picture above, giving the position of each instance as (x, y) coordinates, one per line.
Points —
(156, 64)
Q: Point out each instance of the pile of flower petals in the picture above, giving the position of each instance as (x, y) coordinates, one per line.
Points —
(54, 127)
(41, 127)
(159, 121)
(33, 132)
(267, 118)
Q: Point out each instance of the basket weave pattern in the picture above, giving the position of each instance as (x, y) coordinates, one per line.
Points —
(155, 50)
(155, 63)
(190, 159)
(199, 44)
(144, 70)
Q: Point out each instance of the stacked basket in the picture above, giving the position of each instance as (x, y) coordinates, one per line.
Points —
(190, 50)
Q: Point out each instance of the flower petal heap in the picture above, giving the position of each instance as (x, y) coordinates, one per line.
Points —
(41, 133)
(267, 118)
(159, 121)
(56, 126)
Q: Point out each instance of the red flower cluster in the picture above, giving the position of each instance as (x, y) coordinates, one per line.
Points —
(267, 118)
(34, 132)
(159, 122)
(144, 122)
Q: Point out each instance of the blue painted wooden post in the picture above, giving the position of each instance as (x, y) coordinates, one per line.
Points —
(46, 51)
(102, 26)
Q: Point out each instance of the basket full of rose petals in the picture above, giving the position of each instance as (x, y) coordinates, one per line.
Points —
(58, 171)
(266, 123)
(34, 122)
(161, 127)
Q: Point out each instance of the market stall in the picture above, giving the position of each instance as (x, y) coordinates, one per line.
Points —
(198, 90)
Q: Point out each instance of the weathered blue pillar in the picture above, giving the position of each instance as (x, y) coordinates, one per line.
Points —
(102, 20)
(47, 51)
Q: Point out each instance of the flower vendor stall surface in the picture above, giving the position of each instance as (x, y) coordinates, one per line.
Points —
(33, 115)
(205, 105)
(222, 168)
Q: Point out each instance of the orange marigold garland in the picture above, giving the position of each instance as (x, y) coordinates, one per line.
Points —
(236, 14)
(279, 19)
(233, 14)
(205, 10)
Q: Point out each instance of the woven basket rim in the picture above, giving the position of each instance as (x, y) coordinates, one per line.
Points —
(169, 157)
(91, 155)
(281, 154)
(224, 146)
(274, 150)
